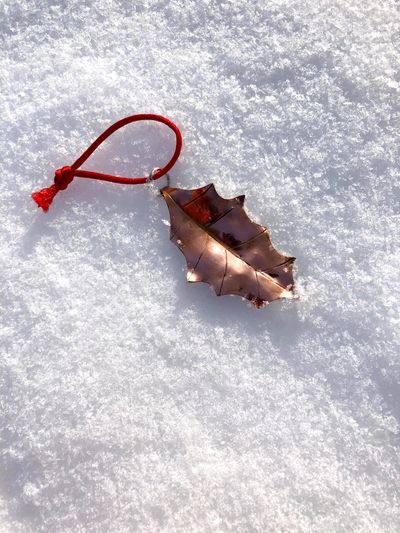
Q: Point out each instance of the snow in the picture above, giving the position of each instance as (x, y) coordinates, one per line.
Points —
(134, 401)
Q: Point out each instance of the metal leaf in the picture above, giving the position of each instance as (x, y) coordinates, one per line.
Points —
(224, 248)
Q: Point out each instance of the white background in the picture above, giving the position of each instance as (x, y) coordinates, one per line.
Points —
(133, 401)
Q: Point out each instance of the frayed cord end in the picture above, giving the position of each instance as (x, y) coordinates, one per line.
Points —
(45, 197)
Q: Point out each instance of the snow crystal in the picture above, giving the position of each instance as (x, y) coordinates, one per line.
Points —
(131, 400)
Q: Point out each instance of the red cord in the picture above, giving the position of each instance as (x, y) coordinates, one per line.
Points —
(64, 176)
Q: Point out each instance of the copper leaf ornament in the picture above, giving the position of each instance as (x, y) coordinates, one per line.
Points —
(224, 248)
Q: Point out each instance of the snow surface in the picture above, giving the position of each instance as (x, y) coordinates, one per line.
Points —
(133, 401)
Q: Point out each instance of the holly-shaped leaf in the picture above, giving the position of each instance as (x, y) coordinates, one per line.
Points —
(224, 248)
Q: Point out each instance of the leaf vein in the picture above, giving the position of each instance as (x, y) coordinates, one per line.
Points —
(224, 274)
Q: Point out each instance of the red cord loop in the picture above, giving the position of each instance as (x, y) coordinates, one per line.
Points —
(64, 176)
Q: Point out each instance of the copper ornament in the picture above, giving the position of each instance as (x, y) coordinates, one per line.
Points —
(224, 248)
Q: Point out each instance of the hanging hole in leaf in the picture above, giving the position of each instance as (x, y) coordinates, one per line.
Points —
(150, 182)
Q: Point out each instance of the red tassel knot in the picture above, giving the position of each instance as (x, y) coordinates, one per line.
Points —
(62, 178)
